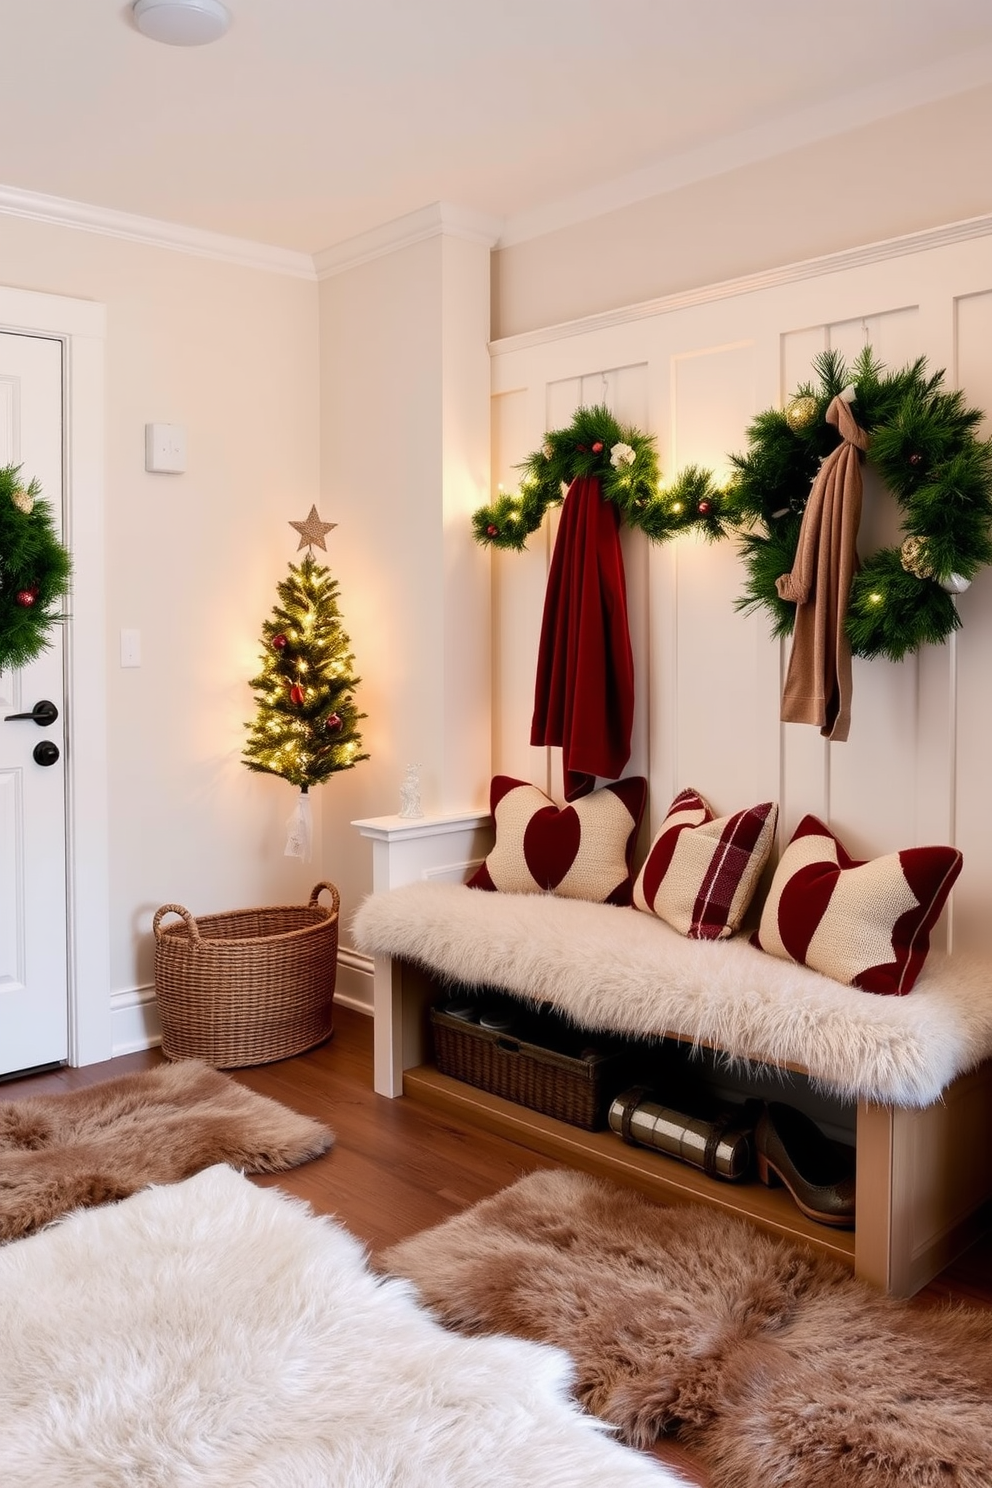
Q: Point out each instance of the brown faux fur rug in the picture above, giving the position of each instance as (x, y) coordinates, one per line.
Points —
(772, 1364)
(104, 1142)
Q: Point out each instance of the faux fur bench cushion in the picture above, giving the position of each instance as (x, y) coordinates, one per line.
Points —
(618, 970)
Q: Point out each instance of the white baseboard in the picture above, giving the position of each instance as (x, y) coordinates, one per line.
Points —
(134, 1022)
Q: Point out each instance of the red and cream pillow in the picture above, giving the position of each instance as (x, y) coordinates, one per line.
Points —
(701, 871)
(866, 924)
(579, 851)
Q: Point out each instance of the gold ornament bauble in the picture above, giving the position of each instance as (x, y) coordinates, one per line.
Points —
(801, 412)
(915, 558)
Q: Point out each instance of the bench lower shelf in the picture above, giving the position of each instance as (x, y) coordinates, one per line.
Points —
(606, 1155)
(924, 1176)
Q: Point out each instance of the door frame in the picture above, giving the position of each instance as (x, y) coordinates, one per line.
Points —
(81, 327)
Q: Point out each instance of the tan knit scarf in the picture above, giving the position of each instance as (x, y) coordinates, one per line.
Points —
(818, 681)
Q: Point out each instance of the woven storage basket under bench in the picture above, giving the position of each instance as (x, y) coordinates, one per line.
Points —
(571, 1084)
(249, 986)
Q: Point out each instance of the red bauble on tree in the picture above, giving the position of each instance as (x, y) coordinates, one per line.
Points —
(26, 597)
(278, 642)
(704, 508)
(296, 694)
(333, 722)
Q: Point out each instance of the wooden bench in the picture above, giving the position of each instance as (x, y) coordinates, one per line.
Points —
(916, 1070)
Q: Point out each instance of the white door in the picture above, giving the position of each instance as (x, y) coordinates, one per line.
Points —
(33, 919)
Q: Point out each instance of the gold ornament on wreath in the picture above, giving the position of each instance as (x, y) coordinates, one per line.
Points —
(915, 558)
(801, 412)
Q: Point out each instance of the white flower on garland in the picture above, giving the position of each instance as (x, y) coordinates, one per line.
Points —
(23, 500)
(621, 454)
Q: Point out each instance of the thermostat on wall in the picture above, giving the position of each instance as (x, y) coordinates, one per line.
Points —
(165, 448)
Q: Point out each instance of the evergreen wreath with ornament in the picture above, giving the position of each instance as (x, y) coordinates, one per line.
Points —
(924, 445)
(626, 464)
(34, 571)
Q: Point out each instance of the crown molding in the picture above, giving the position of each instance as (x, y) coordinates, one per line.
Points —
(155, 234)
(808, 268)
(402, 232)
(807, 126)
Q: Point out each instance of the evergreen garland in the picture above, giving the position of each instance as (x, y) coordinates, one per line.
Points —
(306, 725)
(626, 463)
(35, 570)
(924, 445)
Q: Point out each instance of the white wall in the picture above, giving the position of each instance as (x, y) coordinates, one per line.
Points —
(405, 461)
(898, 175)
(192, 563)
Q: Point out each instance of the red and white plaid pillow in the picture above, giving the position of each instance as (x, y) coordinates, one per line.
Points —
(866, 924)
(579, 851)
(701, 872)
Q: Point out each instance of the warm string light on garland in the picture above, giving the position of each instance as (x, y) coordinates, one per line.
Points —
(923, 442)
(626, 463)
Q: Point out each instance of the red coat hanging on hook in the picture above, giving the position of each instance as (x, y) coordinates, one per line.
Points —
(584, 693)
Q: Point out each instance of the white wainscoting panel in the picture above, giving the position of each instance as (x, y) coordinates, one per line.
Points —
(915, 768)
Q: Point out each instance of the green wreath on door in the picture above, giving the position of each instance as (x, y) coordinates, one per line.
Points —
(35, 570)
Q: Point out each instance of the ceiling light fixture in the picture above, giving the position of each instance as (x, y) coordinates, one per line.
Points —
(181, 22)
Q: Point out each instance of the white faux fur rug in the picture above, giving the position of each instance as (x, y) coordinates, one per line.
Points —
(619, 970)
(212, 1334)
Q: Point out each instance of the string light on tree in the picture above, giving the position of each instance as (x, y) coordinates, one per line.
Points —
(306, 723)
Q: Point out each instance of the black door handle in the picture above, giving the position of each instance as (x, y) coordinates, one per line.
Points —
(45, 752)
(43, 713)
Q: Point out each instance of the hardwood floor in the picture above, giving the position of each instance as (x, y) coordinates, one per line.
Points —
(398, 1167)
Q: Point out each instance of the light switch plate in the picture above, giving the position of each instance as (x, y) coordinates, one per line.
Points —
(130, 648)
(165, 448)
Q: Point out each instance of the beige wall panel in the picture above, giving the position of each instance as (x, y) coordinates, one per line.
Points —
(518, 597)
(973, 714)
(897, 175)
(713, 690)
(973, 336)
(914, 769)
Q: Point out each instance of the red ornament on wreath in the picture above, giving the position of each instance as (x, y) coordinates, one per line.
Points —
(333, 722)
(704, 508)
(25, 598)
(296, 694)
(597, 448)
(278, 642)
(492, 530)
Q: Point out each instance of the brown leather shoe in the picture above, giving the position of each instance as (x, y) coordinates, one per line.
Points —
(818, 1173)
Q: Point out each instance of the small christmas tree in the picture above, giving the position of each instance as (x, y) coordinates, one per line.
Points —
(306, 724)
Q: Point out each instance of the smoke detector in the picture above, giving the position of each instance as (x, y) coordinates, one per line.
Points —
(181, 22)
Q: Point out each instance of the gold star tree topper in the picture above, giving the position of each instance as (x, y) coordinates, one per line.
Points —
(312, 530)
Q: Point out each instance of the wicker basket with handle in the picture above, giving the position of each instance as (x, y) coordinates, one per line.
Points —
(249, 986)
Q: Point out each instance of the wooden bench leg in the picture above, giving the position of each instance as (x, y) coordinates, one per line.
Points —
(924, 1184)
